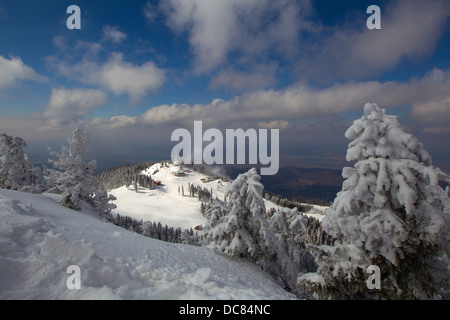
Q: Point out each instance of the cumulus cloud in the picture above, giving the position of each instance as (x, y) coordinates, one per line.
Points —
(428, 97)
(113, 34)
(71, 106)
(13, 70)
(250, 27)
(436, 111)
(409, 30)
(246, 32)
(114, 122)
(117, 76)
(125, 78)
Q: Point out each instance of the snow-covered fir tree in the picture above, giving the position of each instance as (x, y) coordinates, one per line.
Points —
(289, 226)
(242, 231)
(390, 213)
(101, 202)
(239, 229)
(76, 179)
(16, 171)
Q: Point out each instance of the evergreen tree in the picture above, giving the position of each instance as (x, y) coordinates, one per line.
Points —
(101, 202)
(76, 179)
(241, 230)
(390, 213)
(16, 171)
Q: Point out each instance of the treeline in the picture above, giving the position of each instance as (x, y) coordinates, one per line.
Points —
(154, 230)
(319, 202)
(301, 203)
(125, 175)
(203, 194)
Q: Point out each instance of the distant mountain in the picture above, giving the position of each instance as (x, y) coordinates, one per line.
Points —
(303, 183)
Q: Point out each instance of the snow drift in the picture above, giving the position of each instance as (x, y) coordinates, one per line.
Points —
(40, 239)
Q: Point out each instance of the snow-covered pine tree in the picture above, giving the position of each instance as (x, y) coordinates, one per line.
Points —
(241, 230)
(76, 178)
(16, 171)
(390, 213)
(101, 202)
(289, 226)
(214, 215)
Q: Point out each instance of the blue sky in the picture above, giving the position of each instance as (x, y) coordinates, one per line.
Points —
(139, 69)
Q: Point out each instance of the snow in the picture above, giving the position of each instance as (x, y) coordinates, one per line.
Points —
(40, 239)
(165, 205)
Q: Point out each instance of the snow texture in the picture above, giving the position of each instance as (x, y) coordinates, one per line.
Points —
(40, 239)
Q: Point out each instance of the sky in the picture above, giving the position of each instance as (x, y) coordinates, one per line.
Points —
(137, 70)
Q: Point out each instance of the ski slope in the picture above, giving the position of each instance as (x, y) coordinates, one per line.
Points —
(164, 204)
(40, 239)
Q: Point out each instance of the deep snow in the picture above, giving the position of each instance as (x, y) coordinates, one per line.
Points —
(40, 239)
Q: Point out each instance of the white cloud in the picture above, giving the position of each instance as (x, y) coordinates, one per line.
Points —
(429, 98)
(113, 34)
(69, 106)
(150, 12)
(251, 27)
(122, 77)
(117, 75)
(13, 70)
(436, 111)
(114, 123)
(408, 30)
(246, 32)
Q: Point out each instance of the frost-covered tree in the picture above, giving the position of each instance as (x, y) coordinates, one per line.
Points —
(289, 226)
(242, 232)
(390, 213)
(16, 171)
(239, 229)
(101, 202)
(76, 179)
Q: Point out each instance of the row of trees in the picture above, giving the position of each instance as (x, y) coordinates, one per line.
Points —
(302, 204)
(155, 230)
(203, 194)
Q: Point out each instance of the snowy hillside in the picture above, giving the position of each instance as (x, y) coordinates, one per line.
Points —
(40, 239)
(166, 205)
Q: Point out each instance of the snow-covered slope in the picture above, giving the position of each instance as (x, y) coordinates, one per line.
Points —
(164, 204)
(40, 239)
